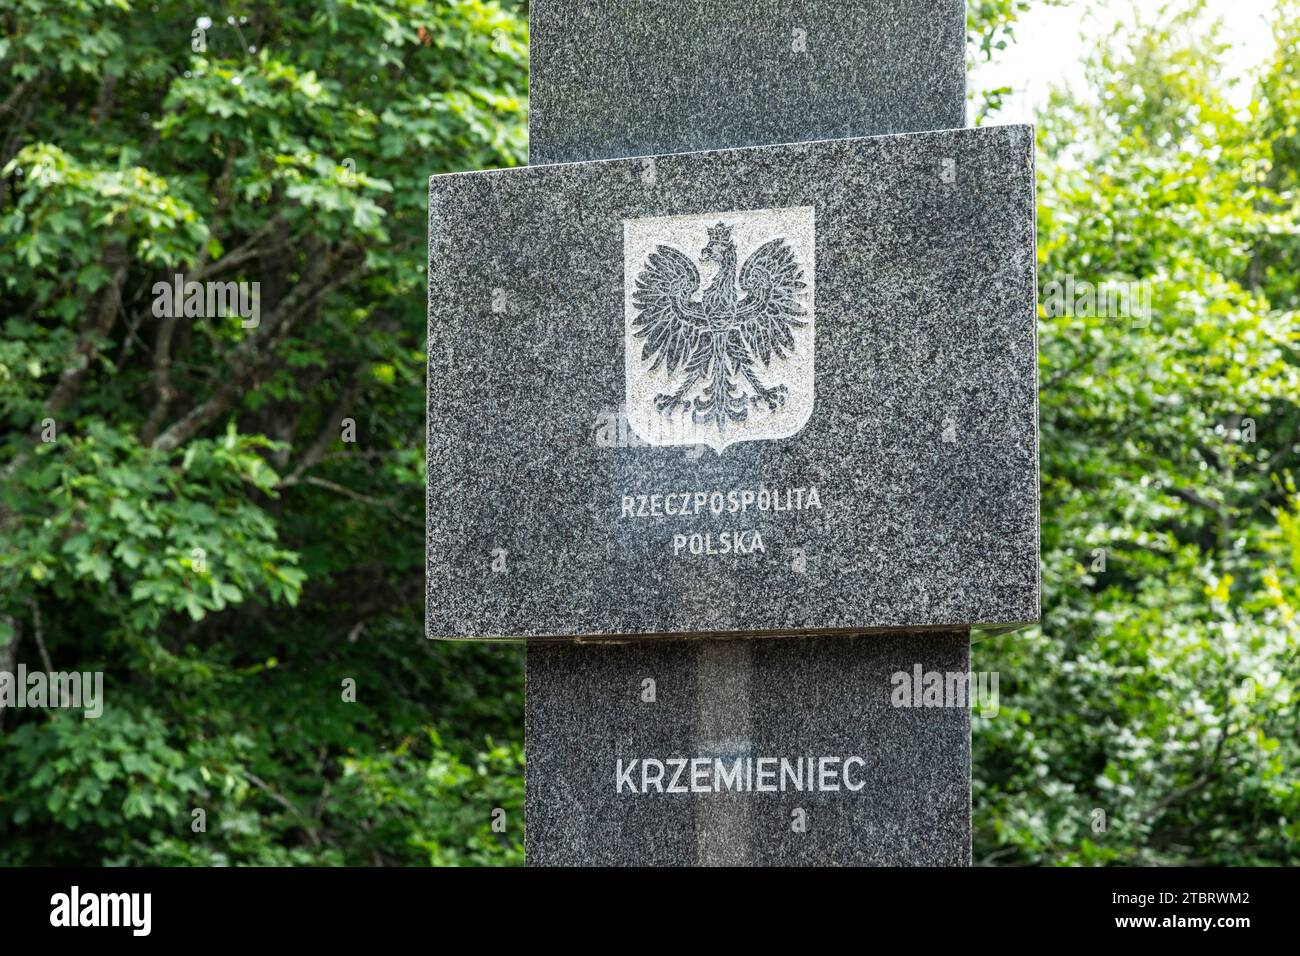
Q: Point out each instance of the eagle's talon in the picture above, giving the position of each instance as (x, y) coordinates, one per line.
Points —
(773, 398)
(667, 404)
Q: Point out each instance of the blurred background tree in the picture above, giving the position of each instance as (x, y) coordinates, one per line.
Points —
(1152, 719)
(199, 530)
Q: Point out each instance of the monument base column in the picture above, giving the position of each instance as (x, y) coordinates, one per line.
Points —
(775, 751)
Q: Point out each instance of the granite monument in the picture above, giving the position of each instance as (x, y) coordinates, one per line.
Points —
(732, 418)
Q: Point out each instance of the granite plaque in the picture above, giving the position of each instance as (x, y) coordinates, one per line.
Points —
(616, 78)
(758, 391)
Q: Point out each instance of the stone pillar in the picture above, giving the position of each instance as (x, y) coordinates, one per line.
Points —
(907, 804)
(741, 73)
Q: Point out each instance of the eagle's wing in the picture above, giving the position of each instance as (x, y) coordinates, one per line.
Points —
(668, 319)
(770, 310)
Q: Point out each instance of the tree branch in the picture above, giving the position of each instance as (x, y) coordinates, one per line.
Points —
(1206, 776)
(330, 431)
(162, 351)
(256, 350)
(308, 826)
(40, 636)
(355, 495)
(110, 302)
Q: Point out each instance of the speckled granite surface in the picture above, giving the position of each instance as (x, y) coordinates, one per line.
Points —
(614, 78)
(889, 785)
(921, 443)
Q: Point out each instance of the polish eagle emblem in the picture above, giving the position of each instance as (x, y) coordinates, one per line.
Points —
(717, 345)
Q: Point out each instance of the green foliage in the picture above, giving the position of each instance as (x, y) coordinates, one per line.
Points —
(427, 806)
(1153, 718)
(194, 526)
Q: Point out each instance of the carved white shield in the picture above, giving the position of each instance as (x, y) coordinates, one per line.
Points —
(718, 328)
